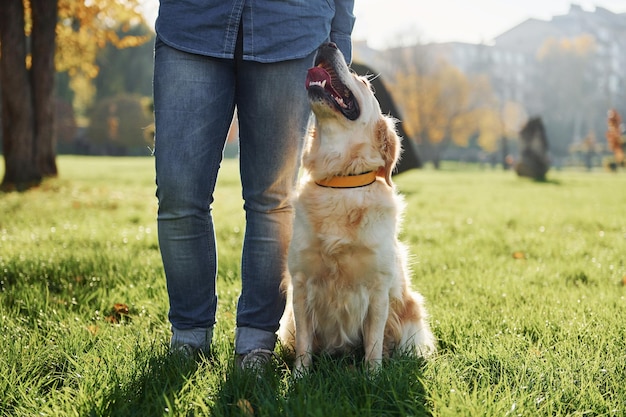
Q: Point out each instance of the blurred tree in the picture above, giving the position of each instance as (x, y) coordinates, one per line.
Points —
(84, 31)
(566, 91)
(126, 70)
(615, 138)
(490, 130)
(499, 124)
(36, 35)
(65, 122)
(443, 106)
(118, 123)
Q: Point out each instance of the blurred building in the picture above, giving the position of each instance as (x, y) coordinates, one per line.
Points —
(607, 29)
(511, 56)
(512, 65)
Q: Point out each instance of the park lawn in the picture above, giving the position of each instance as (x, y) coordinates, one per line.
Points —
(524, 283)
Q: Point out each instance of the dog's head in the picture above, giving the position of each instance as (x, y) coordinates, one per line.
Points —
(355, 135)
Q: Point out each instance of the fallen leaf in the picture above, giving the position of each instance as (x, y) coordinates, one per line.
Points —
(519, 255)
(112, 319)
(245, 406)
(119, 311)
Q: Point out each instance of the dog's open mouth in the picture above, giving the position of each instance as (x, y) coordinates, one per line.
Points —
(323, 82)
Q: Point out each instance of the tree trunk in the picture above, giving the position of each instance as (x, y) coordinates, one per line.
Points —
(17, 115)
(42, 80)
(438, 150)
(505, 153)
(425, 148)
(436, 159)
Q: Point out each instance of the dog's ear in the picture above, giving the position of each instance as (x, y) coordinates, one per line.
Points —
(389, 145)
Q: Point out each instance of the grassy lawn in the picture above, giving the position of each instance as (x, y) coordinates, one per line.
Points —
(525, 283)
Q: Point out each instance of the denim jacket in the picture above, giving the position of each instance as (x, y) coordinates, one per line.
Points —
(273, 30)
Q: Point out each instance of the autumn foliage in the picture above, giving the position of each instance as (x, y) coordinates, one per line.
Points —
(614, 136)
(85, 28)
(442, 106)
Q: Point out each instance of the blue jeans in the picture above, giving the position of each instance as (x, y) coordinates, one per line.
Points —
(194, 101)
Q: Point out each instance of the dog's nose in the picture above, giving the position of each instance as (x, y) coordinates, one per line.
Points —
(332, 45)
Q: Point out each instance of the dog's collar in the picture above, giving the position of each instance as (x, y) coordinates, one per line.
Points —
(349, 181)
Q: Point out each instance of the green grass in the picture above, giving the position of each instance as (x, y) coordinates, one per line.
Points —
(524, 282)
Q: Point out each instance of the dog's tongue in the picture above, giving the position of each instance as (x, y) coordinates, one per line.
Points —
(318, 76)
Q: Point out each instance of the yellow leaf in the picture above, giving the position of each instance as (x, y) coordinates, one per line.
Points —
(245, 406)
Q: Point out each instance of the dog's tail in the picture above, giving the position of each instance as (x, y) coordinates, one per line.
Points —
(407, 326)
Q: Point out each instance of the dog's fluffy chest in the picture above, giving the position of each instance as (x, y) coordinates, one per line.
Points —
(349, 213)
(345, 233)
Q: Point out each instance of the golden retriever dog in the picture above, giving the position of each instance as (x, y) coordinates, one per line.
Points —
(348, 285)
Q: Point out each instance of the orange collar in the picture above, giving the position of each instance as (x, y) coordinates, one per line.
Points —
(349, 181)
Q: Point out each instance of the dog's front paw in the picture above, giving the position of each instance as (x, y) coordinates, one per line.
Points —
(302, 364)
(373, 365)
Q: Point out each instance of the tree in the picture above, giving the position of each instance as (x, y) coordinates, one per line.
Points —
(118, 123)
(566, 91)
(84, 31)
(499, 124)
(126, 70)
(29, 51)
(26, 85)
(441, 105)
(65, 120)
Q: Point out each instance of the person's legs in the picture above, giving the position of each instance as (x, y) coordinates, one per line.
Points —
(193, 107)
(273, 113)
